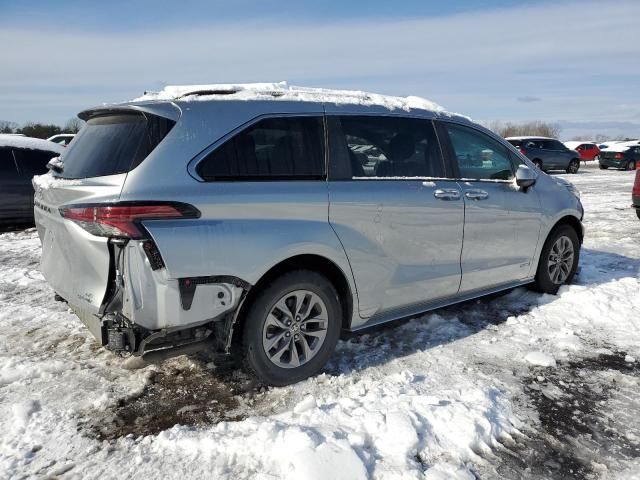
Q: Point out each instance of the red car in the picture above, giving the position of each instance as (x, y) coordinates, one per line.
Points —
(588, 150)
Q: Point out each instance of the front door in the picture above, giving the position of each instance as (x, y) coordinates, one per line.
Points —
(399, 221)
(502, 222)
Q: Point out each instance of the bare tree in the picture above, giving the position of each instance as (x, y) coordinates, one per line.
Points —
(8, 127)
(73, 125)
(535, 127)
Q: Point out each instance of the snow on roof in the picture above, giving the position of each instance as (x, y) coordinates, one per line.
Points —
(619, 147)
(284, 91)
(530, 137)
(29, 143)
(574, 144)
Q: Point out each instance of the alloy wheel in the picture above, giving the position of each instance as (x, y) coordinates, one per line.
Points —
(295, 329)
(560, 261)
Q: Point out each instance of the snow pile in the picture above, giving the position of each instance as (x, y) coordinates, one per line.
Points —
(284, 91)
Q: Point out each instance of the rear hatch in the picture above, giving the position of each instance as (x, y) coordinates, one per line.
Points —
(76, 263)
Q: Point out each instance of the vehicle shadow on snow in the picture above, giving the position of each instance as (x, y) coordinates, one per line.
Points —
(200, 390)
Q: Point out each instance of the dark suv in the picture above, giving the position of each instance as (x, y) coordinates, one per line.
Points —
(547, 153)
(20, 159)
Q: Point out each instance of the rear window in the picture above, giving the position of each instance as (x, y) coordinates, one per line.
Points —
(33, 162)
(113, 144)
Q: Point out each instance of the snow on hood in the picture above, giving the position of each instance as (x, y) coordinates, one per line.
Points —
(31, 143)
(284, 91)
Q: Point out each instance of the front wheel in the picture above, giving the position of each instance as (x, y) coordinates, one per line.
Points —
(558, 260)
(574, 166)
(638, 213)
(291, 328)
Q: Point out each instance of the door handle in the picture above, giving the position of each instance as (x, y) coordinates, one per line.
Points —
(447, 194)
(476, 194)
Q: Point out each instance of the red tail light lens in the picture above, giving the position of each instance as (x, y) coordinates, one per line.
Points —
(522, 151)
(619, 156)
(123, 220)
(636, 186)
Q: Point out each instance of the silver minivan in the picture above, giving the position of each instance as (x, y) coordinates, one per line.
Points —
(264, 222)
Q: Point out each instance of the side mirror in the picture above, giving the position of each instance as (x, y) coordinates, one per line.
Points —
(525, 177)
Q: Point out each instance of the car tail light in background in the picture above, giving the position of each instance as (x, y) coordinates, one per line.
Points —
(618, 156)
(123, 219)
(636, 186)
(522, 151)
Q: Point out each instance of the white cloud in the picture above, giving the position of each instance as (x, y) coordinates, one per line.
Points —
(477, 63)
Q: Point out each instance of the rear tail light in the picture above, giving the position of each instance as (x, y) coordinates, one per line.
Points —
(523, 151)
(636, 186)
(618, 156)
(123, 219)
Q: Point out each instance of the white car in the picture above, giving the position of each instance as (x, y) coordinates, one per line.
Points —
(62, 138)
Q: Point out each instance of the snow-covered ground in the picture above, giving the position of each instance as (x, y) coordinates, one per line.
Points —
(518, 386)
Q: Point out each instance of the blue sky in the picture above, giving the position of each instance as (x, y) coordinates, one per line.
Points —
(575, 63)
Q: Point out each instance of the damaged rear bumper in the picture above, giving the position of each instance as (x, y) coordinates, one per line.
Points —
(146, 312)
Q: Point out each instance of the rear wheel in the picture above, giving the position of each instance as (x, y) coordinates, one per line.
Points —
(538, 163)
(291, 328)
(558, 260)
(574, 166)
(631, 165)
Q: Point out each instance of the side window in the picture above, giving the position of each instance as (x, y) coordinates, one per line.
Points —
(478, 156)
(7, 164)
(33, 162)
(271, 149)
(383, 147)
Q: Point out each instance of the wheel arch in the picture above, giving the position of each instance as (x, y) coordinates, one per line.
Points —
(571, 221)
(314, 262)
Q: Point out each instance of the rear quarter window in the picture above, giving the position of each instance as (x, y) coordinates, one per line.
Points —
(113, 144)
(270, 149)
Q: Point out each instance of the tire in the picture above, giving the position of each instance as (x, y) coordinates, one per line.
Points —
(574, 166)
(638, 213)
(603, 167)
(544, 281)
(631, 165)
(267, 323)
(538, 163)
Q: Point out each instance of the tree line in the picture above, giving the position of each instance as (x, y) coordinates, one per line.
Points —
(41, 130)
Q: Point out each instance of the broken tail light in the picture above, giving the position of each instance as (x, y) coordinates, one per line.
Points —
(123, 219)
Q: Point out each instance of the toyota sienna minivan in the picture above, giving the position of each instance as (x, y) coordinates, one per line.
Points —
(264, 221)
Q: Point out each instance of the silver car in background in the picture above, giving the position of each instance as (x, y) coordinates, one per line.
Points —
(264, 221)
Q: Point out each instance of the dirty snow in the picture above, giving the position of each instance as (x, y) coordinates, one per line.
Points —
(517, 386)
(284, 91)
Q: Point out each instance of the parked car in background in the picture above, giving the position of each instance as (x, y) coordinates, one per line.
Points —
(625, 156)
(62, 138)
(20, 159)
(245, 218)
(635, 194)
(547, 153)
(588, 151)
